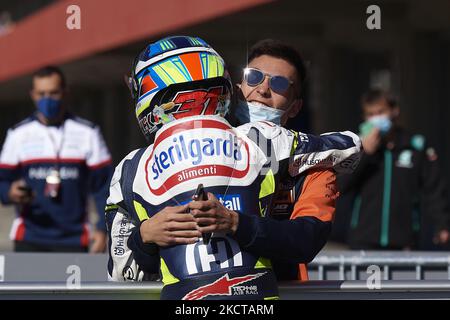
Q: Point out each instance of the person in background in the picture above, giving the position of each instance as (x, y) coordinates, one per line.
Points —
(49, 164)
(399, 191)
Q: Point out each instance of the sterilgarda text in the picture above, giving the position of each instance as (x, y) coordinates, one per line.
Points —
(194, 150)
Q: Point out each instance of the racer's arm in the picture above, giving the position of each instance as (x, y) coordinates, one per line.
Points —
(338, 150)
(122, 265)
(171, 226)
(297, 240)
(138, 235)
(127, 260)
(301, 238)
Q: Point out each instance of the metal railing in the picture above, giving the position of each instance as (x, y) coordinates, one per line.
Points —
(317, 290)
(402, 275)
(328, 265)
(398, 265)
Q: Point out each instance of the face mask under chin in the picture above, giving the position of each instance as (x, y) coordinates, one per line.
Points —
(250, 112)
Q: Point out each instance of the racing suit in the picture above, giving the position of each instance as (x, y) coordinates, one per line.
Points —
(234, 164)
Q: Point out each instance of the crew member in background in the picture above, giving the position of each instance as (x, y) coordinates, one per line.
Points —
(400, 192)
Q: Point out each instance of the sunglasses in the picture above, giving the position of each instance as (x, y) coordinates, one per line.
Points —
(278, 84)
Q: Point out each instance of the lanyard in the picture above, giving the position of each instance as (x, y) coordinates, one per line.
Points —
(57, 148)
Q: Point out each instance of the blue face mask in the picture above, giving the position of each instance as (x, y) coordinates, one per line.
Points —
(382, 122)
(249, 112)
(49, 107)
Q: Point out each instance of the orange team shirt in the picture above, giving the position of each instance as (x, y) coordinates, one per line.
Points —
(317, 199)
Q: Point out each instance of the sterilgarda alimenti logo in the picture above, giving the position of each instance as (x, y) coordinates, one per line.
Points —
(198, 148)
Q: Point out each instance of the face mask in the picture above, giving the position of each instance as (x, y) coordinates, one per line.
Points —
(249, 112)
(49, 107)
(382, 122)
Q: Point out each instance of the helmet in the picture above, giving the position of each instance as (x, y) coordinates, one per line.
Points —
(178, 77)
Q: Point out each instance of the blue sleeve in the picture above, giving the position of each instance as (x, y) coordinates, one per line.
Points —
(294, 241)
(99, 180)
(146, 255)
(325, 142)
(340, 151)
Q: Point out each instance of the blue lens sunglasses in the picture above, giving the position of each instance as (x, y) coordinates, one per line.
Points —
(278, 84)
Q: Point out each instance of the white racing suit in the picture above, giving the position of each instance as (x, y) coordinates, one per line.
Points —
(240, 166)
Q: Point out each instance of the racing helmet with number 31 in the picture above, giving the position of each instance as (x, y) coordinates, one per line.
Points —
(178, 77)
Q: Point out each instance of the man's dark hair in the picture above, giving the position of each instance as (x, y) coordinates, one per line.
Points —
(48, 71)
(375, 95)
(278, 49)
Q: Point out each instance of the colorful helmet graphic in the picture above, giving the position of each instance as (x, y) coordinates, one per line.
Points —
(178, 77)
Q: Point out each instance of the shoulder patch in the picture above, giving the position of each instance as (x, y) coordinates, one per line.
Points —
(418, 142)
(127, 157)
(115, 190)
